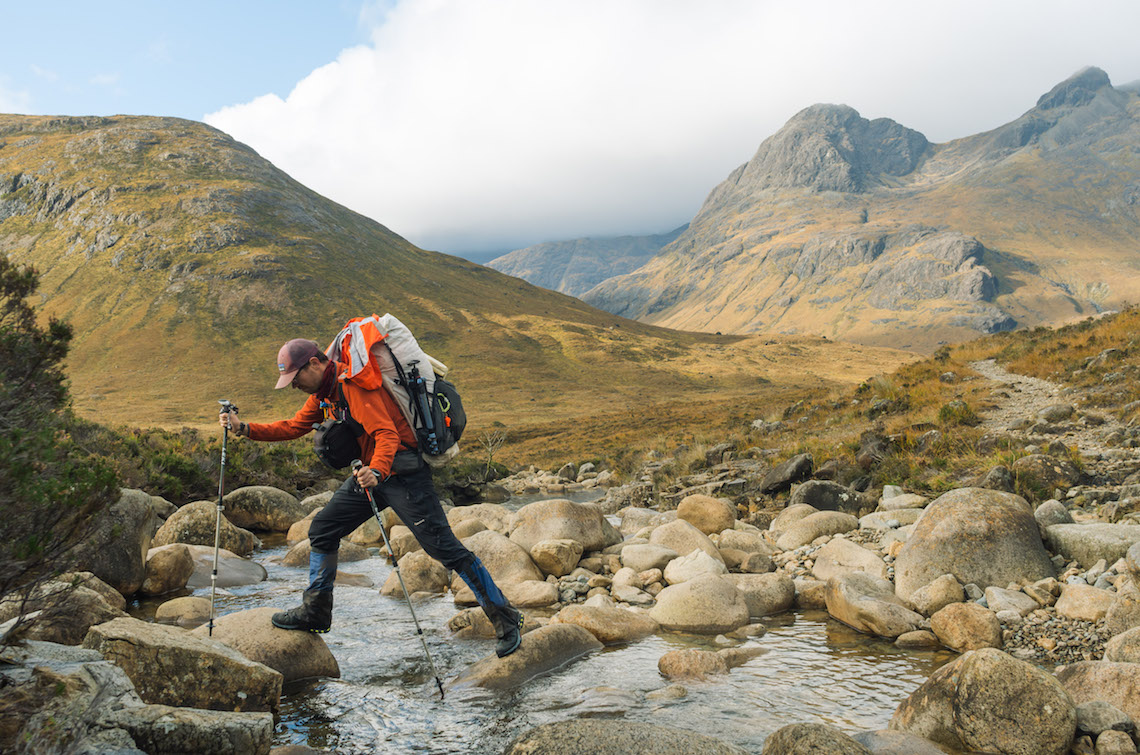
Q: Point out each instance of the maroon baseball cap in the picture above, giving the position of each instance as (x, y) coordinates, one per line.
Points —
(292, 357)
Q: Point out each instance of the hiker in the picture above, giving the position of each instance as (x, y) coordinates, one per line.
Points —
(411, 494)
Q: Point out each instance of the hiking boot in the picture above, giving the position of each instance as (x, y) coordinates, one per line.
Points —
(314, 614)
(508, 623)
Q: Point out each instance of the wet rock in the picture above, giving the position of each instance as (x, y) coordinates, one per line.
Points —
(707, 514)
(932, 598)
(563, 520)
(295, 655)
(472, 623)
(980, 536)
(988, 701)
(421, 573)
(919, 639)
(233, 570)
(868, 604)
(167, 569)
(169, 666)
(1084, 602)
(816, 525)
(1115, 683)
(557, 557)
(691, 664)
(260, 507)
(195, 523)
(781, 477)
(765, 594)
(114, 548)
(887, 742)
(824, 495)
(542, 650)
(694, 565)
(1089, 543)
(809, 739)
(184, 612)
(966, 626)
(609, 625)
(705, 605)
(683, 538)
(575, 737)
(841, 556)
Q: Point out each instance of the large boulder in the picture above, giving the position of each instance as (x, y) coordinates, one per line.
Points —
(816, 525)
(645, 557)
(298, 555)
(748, 542)
(841, 556)
(988, 701)
(494, 516)
(170, 666)
(1089, 543)
(1124, 647)
(887, 742)
(580, 736)
(233, 570)
(114, 547)
(557, 557)
(825, 495)
(1124, 613)
(296, 655)
(563, 520)
(421, 573)
(1045, 472)
(542, 650)
(704, 605)
(635, 518)
(57, 611)
(790, 516)
(1084, 602)
(868, 604)
(195, 524)
(168, 568)
(781, 477)
(966, 626)
(609, 625)
(696, 564)
(811, 739)
(986, 537)
(691, 663)
(765, 594)
(260, 507)
(165, 728)
(932, 598)
(186, 611)
(1111, 682)
(507, 561)
(684, 538)
(706, 513)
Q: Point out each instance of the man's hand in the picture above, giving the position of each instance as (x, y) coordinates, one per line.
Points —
(230, 419)
(365, 477)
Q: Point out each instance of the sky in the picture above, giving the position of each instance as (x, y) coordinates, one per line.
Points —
(479, 126)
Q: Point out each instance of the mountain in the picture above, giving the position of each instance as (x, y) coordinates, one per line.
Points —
(864, 230)
(574, 267)
(183, 260)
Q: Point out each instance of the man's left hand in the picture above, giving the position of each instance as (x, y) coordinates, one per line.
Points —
(366, 478)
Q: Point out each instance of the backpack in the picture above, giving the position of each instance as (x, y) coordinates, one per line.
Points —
(381, 352)
(335, 439)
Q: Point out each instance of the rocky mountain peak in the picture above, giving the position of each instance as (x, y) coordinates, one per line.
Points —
(1079, 89)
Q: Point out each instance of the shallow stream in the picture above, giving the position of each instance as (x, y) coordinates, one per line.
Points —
(386, 701)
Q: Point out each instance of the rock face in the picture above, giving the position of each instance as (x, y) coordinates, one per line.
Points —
(563, 520)
(169, 666)
(609, 625)
(115, 549)
(704, 605)
(295, 655)
(981, 536)
(542, 650)
(195, 523)
(868, 604)
(260, 507)
(578, 736)
(988, 701)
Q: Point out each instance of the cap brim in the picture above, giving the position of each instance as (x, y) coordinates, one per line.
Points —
(286, 378)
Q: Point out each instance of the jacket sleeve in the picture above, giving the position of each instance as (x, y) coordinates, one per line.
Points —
(288, 429)
(369, 410)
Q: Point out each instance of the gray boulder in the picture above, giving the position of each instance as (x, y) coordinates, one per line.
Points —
(1099, 716)
(645, 557)
(825, 495)
(868, 604)
(233, 570)
(985, 537)
(1052, 512)
(704, 605)
(542, 650)
(260, 507)
(168, 568)
(684, 538)
(57, 611)
(988, 701)
(114, 549)
(195, 524)
(563, 520)
(609, 625)
(578, 736)
(816, 525)
(811, 739)
(1089, 543)
(295, 655)
(781, 477)
(765, 594)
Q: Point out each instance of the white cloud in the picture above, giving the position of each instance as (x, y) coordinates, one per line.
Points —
(105, 79)
(44, 73)
(471, 124)
(14, 100)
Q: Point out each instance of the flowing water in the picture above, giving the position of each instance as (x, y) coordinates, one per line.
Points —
(815, 670)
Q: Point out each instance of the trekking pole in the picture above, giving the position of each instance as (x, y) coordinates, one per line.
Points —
(227, 407)
(356, 464)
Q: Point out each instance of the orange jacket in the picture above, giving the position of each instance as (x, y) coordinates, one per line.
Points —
(385, 428)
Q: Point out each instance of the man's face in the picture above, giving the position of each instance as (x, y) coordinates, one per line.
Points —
(308, 379)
